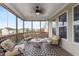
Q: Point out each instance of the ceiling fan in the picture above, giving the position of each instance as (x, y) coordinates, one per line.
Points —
(38, 10)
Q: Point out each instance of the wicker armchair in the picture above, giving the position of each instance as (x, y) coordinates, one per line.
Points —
(55, 40)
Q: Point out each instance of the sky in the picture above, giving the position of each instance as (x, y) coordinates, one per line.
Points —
(3, 18)
(7, 19)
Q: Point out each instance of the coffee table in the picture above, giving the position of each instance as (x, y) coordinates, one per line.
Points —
(37, 42)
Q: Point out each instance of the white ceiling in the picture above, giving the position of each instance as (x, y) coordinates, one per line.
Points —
(27, 12)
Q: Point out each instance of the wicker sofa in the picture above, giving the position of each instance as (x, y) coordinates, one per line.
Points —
(11, 48)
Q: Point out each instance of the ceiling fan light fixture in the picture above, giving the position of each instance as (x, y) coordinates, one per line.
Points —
(37, 13)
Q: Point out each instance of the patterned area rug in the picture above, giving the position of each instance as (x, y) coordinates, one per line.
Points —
(44, 50)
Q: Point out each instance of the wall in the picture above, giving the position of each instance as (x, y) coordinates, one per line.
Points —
(69, 44)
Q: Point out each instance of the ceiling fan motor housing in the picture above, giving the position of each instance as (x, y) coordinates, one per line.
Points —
(37, 9)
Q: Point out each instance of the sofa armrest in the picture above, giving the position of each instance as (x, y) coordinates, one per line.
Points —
(12, 53)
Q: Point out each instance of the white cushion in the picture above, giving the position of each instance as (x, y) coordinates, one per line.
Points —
(20, 46)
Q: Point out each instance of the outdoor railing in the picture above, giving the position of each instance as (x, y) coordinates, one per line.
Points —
(21, 36)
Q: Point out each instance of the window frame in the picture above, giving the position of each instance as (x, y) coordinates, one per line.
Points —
(73, 35)
(66, 11)
(9, 13)
(35, 28)
(40, 25)
(47, 25)
(25, 22)
(20, 20)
